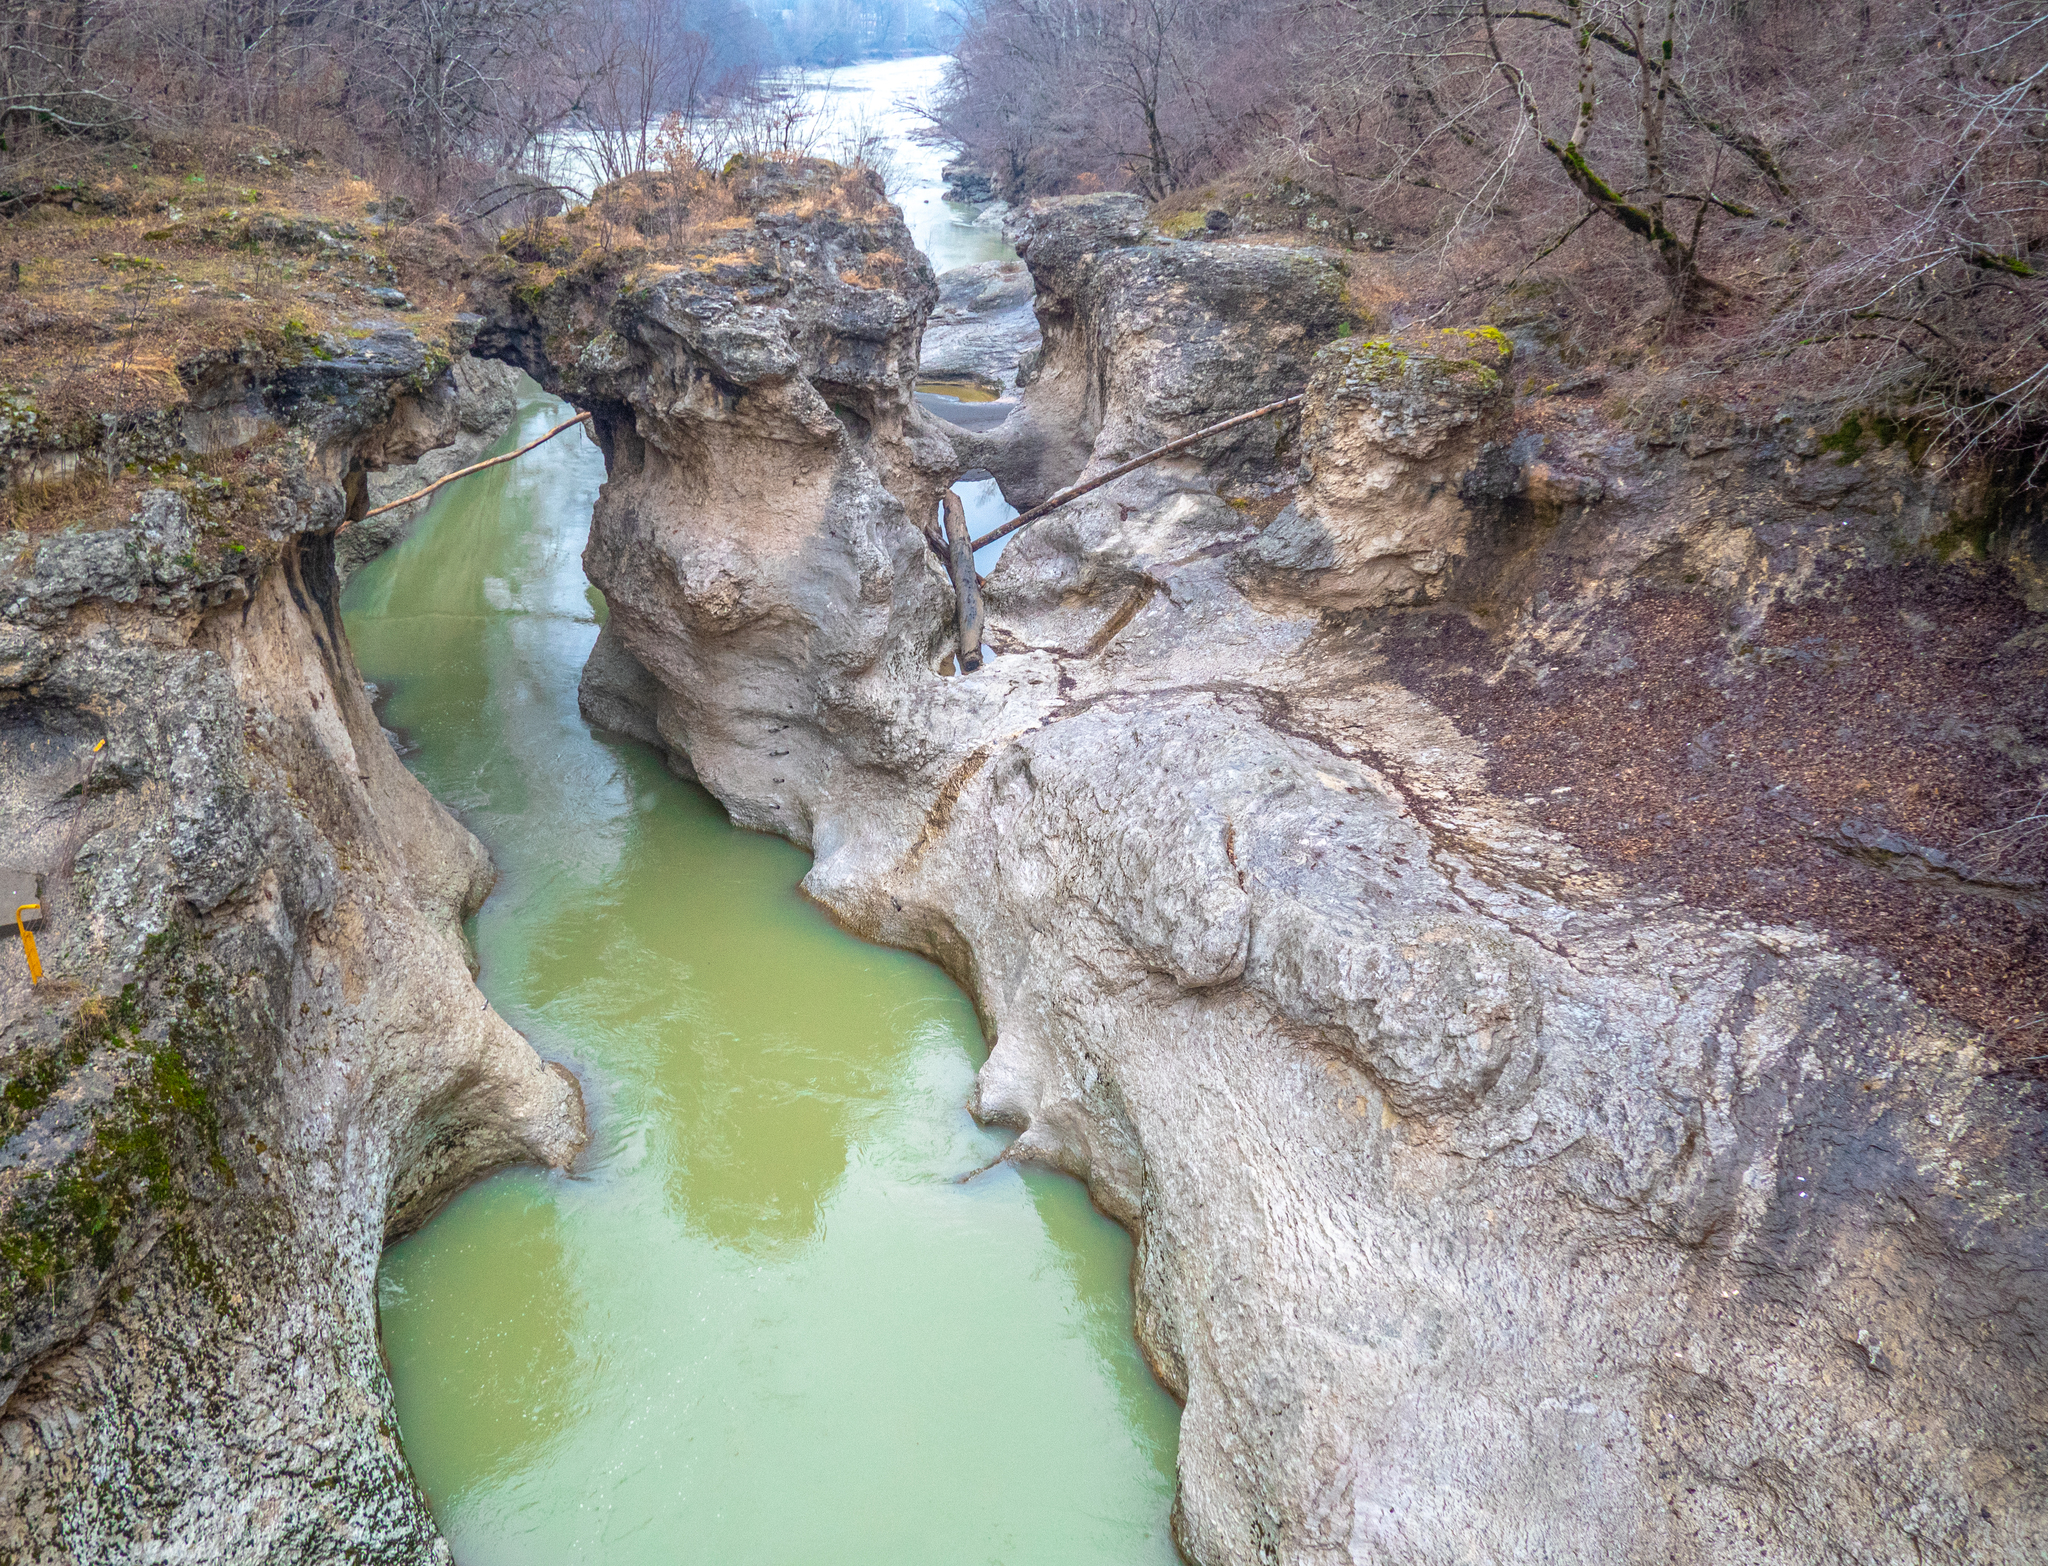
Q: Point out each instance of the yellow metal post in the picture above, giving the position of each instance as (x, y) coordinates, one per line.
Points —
(28, 942)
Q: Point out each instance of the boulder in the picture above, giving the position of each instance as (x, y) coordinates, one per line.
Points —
(1393, 437)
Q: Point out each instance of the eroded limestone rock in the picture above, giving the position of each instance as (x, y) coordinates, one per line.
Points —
(257, 1052)
(1394, 439)
(1486, 1208)
(983, 327)
(1146, 340)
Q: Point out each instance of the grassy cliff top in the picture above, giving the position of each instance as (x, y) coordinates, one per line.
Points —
(130, 271)
(726, 227)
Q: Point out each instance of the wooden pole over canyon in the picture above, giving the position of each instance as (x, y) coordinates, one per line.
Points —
(1078, 490)
(474, 467)
(956, 549)
(958, 553)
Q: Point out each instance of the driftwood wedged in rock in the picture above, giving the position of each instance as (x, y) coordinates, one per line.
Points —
(1075, 492)
(966, 583)
(475, 467)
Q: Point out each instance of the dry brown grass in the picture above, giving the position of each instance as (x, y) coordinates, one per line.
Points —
(851, 194)
(688, 214)
(39, 504)
(156, 267)
(106, 295)
(151, 263)
(231, 493)
(670, 209)
(686, 218)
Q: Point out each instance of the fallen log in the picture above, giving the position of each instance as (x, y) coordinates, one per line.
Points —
(1172, 446)
(475, 467)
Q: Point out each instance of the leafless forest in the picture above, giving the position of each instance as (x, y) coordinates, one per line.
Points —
(1850, 194)
(430, 97)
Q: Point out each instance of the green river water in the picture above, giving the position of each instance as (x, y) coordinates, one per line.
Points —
(761, 1322)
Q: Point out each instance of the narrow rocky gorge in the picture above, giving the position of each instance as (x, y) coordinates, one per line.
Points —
(481, 396)
(1482, 890)
(1494, 1198)
(256, 1053)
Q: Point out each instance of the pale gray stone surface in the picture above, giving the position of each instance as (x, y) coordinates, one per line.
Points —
(1485, 1210)
(1146, 341)
(1397, 434)
(983, 327)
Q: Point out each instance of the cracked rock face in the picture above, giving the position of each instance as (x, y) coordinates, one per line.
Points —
(257, 1052)
(1486, 1208)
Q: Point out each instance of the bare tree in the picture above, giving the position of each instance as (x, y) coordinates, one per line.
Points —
(1934, 293)
(1651, 51)
(783, 116)
(641, 61)
(1482, 84)
(1148, 91)
(437, 92)
(446, 70)
(48, 72)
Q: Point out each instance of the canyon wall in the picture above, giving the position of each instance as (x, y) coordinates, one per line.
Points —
(1497, 1195)
(256, 1053)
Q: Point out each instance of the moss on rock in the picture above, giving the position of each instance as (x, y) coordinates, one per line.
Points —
(1474, 358)
(151, 1146)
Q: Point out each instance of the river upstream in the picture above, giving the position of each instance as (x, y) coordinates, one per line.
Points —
(763, 1321)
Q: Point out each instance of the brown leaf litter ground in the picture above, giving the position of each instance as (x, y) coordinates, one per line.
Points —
(1833, 771)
